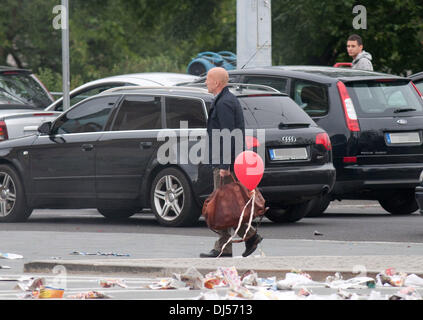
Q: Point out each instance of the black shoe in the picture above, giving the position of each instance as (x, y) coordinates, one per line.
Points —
(214, 254)
(251, 245)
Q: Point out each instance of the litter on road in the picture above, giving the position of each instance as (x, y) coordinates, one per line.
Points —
(98, 253)
(225, 283)
(108, 283)
(10, 256)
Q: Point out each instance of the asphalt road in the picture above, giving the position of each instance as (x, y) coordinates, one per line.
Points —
(348, 228)
(343, 221)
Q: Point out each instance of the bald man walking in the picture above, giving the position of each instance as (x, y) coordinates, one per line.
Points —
(226, 113)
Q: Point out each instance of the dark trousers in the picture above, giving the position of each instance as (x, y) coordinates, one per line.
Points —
(225, 235)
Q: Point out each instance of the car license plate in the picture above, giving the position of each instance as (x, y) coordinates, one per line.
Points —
(403, 137)
(286, 154)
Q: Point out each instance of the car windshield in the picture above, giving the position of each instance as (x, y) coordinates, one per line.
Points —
(385, 98)
(24, 87)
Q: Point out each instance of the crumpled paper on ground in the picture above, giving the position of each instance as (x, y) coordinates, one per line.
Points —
(108, 283)
(89, 295)
(224, 283)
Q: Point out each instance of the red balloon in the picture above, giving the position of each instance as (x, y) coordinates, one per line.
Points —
(251, 142)
(249, 169)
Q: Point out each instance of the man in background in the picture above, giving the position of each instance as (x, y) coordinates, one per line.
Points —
(361, 59)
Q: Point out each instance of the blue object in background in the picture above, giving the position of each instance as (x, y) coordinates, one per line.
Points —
(204, 61)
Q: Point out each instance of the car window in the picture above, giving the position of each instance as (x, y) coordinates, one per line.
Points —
(386, 98)
(311, 97)
(139, 113)
(86, 93)
(7, 98)
(89, 116)
(274, 82)
(184, 109)
(270, 111)
(419, 85)
(26, 88)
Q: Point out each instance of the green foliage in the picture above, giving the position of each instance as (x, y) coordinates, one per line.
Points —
(315, 32)
(109, 37)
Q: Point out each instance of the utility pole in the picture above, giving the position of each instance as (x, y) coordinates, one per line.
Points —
(65, 55)
(254, 33)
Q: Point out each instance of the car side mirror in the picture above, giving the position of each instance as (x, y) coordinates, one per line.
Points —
(45, 128)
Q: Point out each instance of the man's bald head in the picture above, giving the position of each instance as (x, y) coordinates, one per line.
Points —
(217, 79)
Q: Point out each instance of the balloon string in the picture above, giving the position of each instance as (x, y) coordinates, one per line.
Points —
(252, 198)
(251, 214)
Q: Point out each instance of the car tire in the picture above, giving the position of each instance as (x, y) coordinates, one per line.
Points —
(400, 203)
(13, 205)
(117, 214)
(318, 206)
(172, 199)
(291, 213)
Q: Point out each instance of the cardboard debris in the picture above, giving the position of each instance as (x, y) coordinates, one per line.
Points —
(50, 293)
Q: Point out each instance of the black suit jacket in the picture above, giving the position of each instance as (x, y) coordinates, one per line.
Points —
(225, 113)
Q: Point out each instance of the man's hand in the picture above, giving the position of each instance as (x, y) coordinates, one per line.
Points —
(224, 173)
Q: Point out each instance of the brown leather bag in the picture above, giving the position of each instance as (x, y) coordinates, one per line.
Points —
(223, 208)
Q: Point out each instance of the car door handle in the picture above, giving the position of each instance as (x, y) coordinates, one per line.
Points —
(87, 147)
(146, 144)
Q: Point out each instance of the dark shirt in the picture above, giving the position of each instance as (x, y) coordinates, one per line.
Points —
(225, 113)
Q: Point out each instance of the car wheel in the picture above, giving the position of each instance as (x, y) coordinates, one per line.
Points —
(318, 206)
(13, 207)
(117, 214)
(291, 213)
(400, 203)
(172, 199)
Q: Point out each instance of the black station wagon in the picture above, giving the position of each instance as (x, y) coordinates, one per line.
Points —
(375, 124)
(102, 153)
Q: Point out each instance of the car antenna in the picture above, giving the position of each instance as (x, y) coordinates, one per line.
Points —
(255, 53)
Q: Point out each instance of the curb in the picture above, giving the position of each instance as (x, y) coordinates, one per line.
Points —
(264, 267)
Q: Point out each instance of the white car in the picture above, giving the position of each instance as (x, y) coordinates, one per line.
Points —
(27, 123)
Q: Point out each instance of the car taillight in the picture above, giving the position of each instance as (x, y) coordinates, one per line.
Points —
(3, 131)
(323, 138)
(418, 91)
(350, 114)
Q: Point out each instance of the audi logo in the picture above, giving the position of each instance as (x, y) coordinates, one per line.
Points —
(288, 139)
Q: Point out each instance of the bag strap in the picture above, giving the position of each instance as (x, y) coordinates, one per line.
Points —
(221, 179)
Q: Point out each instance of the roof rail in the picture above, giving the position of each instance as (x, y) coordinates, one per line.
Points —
(241, 86)
(174, 88)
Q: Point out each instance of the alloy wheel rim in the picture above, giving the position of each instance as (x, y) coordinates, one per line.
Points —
(7, 194)
(169, 197)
